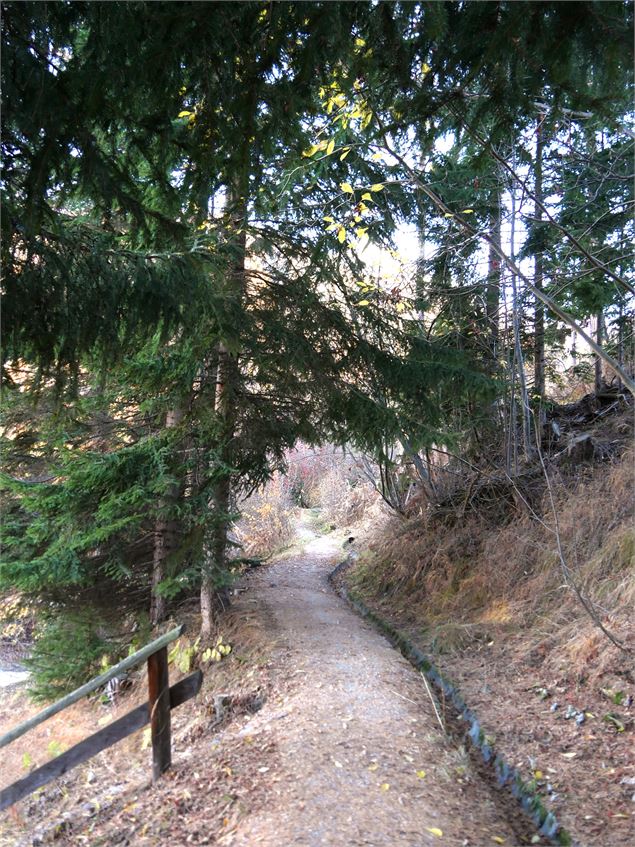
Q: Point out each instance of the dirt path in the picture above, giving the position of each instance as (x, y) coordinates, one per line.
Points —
(363, 759)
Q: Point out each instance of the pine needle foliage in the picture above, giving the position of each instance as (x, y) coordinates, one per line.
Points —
(176, 312)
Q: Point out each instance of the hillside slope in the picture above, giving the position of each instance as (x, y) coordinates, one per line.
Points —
(479, 583)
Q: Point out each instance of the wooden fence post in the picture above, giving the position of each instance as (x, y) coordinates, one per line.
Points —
(159, 704)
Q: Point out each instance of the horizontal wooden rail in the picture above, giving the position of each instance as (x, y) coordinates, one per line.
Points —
(119, 729)
(97, 682)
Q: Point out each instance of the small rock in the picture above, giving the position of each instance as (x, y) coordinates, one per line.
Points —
(580, 718)
(570, 713)
(554, 707)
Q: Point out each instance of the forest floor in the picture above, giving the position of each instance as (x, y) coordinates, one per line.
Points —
(330, 738)
(584, 772)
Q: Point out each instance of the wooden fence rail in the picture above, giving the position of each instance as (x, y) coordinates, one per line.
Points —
(161, 700)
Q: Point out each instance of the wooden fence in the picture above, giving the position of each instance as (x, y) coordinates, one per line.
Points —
(161, 700)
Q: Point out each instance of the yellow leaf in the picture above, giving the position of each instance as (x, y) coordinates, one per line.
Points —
(359, 42)
(467, 211)
(361, 230)
(367, 196)
(425, 68)
(376, 156)
(420, 774)
(328, 218)
(332, 226)
(377, 187)
(385, 786)
(341, 235)
(345, 154)
(538, 774)
(435, 831)
(184, 114)
(448, 215)
(330, 147)
(374, 765)
(363, 303)
(346, 187)
(401, 307)
(498, 839)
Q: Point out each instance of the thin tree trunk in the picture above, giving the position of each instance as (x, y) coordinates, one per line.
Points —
(518, 350)
(492, 291)
(599, 337)
(539, 326)
(166, 537)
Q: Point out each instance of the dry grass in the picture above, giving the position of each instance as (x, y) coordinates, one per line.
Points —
(480, 574)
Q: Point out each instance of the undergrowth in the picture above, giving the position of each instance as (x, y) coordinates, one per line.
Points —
(463, 579)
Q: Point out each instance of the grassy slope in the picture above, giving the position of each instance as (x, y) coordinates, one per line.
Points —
(487, 595)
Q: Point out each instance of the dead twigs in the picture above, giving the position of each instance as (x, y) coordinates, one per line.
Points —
(586, 603)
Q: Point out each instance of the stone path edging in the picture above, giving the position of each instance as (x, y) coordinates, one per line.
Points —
(506, 775)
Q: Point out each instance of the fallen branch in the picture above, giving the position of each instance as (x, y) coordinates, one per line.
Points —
(434, 705)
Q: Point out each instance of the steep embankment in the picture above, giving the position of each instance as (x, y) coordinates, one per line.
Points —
(483, 590)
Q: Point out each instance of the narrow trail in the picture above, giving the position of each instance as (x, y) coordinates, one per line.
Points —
(355, 730)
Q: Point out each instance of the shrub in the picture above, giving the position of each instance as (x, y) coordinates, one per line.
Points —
(266, 522)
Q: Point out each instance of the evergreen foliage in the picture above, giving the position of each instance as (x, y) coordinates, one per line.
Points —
(185, 294)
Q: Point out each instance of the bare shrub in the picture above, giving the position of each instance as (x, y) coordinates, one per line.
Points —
(344, 495)
(266, 524)
(331, 480)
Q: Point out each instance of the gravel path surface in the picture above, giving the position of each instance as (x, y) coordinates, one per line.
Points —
(364, 759)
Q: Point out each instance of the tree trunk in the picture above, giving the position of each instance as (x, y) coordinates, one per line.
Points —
(539, 325)
(213, 594)
(492, 291)
(599, 337)
(166, 537)
(519, 358)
